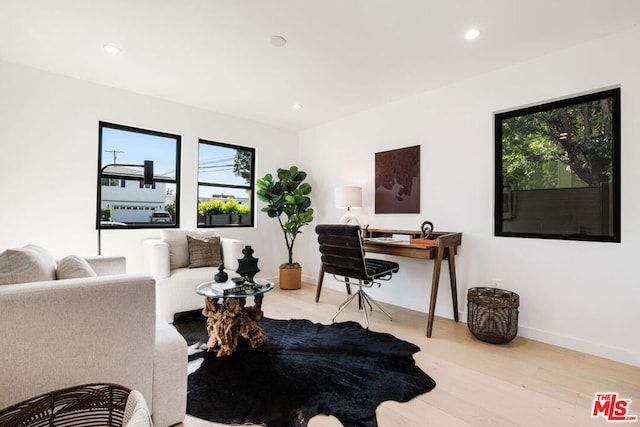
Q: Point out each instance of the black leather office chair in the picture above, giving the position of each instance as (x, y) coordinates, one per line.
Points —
(343, 256)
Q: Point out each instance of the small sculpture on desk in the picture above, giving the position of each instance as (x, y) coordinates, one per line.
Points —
(222, 275)
(427, 230)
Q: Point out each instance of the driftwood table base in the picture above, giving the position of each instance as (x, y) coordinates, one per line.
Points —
(227, 319)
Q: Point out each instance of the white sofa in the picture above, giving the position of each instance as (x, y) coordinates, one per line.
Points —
(62, 333)
(167, 260)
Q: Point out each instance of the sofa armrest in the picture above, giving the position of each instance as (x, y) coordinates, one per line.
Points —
(107, 265)
(231, 251)
(156, 258)
(169, 375)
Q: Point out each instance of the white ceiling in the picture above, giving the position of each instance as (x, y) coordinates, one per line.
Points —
(342, 56)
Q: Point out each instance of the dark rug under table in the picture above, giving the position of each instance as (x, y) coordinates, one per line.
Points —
(304, 369)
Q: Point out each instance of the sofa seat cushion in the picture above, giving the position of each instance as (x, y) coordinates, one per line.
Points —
(74, 267)
(178, 246)
(204, 252)
(27, 264)
(136, 411)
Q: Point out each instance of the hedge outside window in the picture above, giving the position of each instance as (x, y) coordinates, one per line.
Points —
(557, 169)
(225, 185)
(123, 200)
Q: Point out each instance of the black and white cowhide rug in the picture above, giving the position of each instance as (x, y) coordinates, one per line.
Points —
(304, 369)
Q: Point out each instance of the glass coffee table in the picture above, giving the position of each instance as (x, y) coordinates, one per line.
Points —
(228, 315)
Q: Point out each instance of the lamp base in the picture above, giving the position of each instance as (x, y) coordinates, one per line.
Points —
(349, 218)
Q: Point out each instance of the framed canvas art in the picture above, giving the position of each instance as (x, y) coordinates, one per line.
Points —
(398, 181)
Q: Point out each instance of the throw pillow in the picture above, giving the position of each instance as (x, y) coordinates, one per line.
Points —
(178, 247)
(73, 267)
(27, 264)
(204, 252)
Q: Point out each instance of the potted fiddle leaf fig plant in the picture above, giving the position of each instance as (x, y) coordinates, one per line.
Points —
(287, 199)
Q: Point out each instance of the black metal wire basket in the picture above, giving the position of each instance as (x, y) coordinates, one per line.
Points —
(492, 314)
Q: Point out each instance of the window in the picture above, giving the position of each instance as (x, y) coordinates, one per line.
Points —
(106, 182)
(123, 200)
(557, 169)
(225, 185)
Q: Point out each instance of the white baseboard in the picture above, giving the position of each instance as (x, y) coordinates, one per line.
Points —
(592, 348)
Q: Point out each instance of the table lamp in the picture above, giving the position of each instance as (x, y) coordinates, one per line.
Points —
(349, 197)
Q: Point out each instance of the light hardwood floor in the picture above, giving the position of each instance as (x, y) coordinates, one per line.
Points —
(522, 383)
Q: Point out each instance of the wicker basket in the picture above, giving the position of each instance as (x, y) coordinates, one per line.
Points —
(492, 314)
(91, 405)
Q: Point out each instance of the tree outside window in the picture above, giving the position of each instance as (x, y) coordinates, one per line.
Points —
(558, 169)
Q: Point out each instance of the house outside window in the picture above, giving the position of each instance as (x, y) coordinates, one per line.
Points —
(123, 200)
(226, 174)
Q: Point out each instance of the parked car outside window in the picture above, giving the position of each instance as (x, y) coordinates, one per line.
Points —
(161, 217)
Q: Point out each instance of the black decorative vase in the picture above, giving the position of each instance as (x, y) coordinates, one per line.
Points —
(222, 275)
(247, 265)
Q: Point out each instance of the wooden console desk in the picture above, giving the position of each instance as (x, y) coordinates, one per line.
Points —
(442, 247)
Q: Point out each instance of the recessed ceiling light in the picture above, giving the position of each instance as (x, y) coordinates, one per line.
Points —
(278, 41)
(472, 33)
(297, 107)
(111, 48)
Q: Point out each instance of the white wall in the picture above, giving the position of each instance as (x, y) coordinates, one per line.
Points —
(49, 154)
(581, 295)
(576, 294)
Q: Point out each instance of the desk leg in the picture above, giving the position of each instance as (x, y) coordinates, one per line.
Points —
(320, 280)
(452, 278)
(437, 266)
(347, 285)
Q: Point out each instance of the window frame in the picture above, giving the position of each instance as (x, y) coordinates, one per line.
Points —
(511, 199)
(250, 186)
(103, 174)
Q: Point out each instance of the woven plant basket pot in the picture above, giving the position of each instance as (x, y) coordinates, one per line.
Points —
(492, 314)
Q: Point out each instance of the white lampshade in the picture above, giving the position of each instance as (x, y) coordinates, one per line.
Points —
(348, 197)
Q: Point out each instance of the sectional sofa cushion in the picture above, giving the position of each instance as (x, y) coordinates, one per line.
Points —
(204, 252)
(178, 247)
(74, 267)
(30, 263)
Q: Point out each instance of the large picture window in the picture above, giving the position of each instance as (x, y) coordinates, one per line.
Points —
(557, 169)
(128, 198)
(225, 185)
